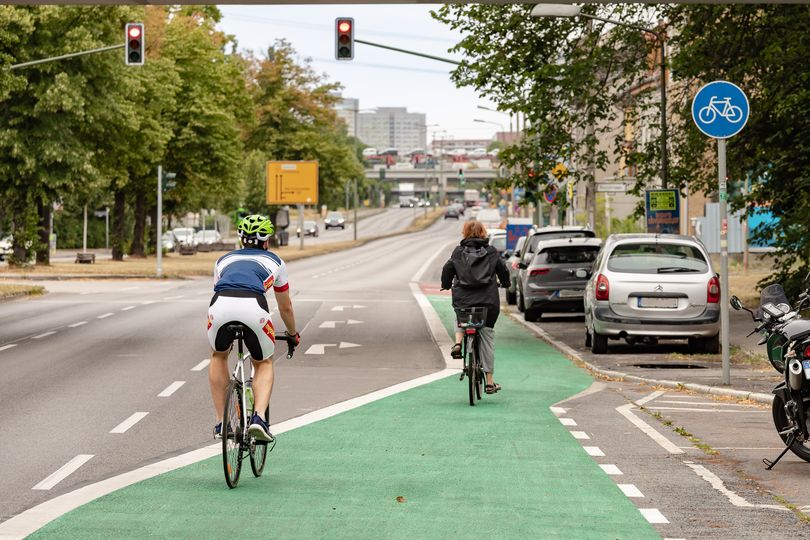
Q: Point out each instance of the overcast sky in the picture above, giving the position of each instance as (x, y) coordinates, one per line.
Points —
(378, 78)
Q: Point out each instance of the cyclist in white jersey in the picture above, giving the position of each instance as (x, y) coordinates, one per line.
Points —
(242, 278)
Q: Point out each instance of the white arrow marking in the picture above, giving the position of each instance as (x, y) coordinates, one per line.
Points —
(338, 308)
(358, 307)
(352, 321)
(347, 345)
(319, 348)
(329, 324)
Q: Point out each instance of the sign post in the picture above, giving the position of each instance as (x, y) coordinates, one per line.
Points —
(720, 110)
(293, 182)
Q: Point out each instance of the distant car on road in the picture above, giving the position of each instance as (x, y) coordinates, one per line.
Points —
(647, 287)
(334, 219)
(553, 278)
(490, 218)
(207, 237)
(5, 247)
(452, 213)
(185, 235)
(310, 229)
(169, 241)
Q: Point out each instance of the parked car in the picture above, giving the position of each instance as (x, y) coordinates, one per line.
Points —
(554, 276)
(310, 229)
(452, 213)
(169, 241)
(489, 217)
(512, 265)
(334, 219)
(209, 236)
(5, 247)
(185, 235)
(647, 287)
(497, 239)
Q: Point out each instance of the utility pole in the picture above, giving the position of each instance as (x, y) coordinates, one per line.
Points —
(84, 231)
(159, 224)
(355, 207)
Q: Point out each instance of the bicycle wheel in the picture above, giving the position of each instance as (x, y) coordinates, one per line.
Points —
(472, 371)
(258, 451)
(479, 373)
(233, 429)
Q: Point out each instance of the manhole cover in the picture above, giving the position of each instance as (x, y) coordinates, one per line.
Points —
(670, 365)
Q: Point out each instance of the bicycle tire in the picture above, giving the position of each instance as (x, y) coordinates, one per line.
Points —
(472, 371)
(479, 380)
(258, 452)
(233, 429)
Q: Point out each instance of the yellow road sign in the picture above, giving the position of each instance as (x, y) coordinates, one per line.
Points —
(292, 182)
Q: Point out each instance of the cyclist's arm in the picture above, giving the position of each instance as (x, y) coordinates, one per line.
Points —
(503, 273)
(448, 273)
(285, 309)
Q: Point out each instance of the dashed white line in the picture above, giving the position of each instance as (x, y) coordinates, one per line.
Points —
(611, 469)
(63, 472)
(580, 435)
(9, 346)
(593, 451)
(129, 422)
(127, 308)
(653, 515)
(202, 365)
(74, 325)
(558, 410)
(173, 297)
(171, 389)
(631, 491)
(104, 316)
(46, 334)
(147, 302)
(567, 421)
(129, 288)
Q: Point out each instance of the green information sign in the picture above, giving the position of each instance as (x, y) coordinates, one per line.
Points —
(663, 211)
(663, 201)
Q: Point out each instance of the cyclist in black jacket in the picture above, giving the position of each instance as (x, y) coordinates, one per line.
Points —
(478, 288)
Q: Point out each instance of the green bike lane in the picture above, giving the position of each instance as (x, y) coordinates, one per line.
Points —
(418, 464)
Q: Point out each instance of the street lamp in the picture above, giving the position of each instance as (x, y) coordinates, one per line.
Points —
(499, 112)
(567, 10)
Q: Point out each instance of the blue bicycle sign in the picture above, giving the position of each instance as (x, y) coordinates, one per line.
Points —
(720, 109)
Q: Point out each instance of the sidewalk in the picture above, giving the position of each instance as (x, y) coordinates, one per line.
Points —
(418, 464)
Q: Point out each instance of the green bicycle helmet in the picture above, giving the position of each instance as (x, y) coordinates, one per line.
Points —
(253, 230)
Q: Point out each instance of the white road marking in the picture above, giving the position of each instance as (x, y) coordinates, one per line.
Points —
(689, 409)
(129, 422)
(713, 403)
(558, 410)
(9, 346)
(202, 365)
(147, 302)
(104, 316)
(127, 308)
(631, 491)
(347, 345)
(171, 389)
(175, 297)
(63, 472)
(46, 334)
(319, 348)
(567, 421)
(662, 441)
(653, 515)
(322, 300)
(74, 325)
(611, 469)
(338, 308)
(329, 324)
(352, 321)
(718, 484)
(128, 288)
(580, 435)
(594, 451)
(359, 307)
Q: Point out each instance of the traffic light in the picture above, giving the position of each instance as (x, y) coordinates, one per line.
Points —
(134, 49)
(344, 38)
(461, 179)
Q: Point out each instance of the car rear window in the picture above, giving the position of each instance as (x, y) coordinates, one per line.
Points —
(498, 242)
(657, 258)
(534, 239)
(567, 255)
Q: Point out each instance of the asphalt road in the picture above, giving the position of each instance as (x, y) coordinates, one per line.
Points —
(390, 220)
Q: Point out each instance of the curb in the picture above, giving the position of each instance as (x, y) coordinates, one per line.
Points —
(702, 388)
(24, 294)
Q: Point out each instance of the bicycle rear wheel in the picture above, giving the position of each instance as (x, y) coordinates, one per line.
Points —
(258, 451)
(233, 430)
(479, 373)
(472, 371)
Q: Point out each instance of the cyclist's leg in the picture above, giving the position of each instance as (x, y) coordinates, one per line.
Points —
(221, 341)
(218, 378)
(263, 379)
(486, 351)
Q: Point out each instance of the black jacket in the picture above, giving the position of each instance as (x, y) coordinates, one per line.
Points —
(483, 296)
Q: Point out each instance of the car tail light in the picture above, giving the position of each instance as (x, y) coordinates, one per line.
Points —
(539, 271)
(807, 351)
(602, 288)
(713, 291)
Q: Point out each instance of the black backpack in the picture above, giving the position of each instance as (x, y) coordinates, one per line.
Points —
(474, 267)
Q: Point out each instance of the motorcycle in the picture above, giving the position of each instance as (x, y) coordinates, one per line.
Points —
(786, 336)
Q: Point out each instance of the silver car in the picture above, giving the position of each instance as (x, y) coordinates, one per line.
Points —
(646, 287)
(512, 264)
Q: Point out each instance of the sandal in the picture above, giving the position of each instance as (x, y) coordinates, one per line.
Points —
(455, 351)
(492, 388)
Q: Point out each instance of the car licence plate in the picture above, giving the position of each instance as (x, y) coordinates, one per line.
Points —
(655, 302)
(806, 366)
(566, 293)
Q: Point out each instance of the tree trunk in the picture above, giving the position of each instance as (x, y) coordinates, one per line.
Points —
(118, 225)
(151, 234)
(43, 230)
(137, 249)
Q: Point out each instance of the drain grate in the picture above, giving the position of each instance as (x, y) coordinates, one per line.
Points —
(670, 365)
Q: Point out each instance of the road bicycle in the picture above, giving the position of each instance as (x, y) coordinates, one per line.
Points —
(236, 440)
(470, 320)
(709, 113)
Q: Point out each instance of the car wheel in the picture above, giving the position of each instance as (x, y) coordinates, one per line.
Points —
(511, 298)
(532, 316)
(599, 343)
(695, 345)
(711, 345)
(520, 305)
(587, 338)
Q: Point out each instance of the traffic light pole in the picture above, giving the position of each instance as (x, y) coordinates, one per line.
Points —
(159, 224)
(66, 56)
(406, 51)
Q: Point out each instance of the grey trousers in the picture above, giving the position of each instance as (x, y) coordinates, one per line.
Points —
(486, 348)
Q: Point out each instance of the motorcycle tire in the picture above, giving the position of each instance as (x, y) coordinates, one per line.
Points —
(780, 422)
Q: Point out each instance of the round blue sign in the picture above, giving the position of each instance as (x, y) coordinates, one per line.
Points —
(720, 109)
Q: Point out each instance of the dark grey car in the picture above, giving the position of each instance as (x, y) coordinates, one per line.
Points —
(334, 219)
(554, 276)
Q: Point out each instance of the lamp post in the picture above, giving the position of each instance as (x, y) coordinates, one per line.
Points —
(570, 11)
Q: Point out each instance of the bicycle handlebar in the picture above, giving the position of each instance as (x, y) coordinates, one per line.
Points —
(290, 343)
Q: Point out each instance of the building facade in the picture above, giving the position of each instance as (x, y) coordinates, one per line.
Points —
(392, 127)
(347, 109)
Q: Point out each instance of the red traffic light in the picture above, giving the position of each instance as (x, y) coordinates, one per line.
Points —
(344, 26)
(134, 52)
(134, 32)
(344, 38)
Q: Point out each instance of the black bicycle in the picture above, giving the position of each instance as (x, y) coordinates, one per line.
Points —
(470, 320)
(236, 439)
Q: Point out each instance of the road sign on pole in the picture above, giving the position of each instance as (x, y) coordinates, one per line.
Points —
(610, 187)
(292, 182)
(720, 110)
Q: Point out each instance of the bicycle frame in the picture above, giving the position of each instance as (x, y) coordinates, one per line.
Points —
(239, 375)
